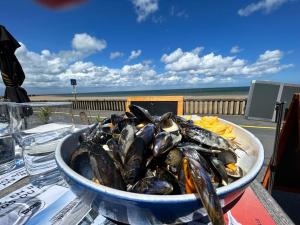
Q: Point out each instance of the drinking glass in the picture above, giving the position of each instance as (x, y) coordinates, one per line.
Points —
(38, 128)
(7, 148)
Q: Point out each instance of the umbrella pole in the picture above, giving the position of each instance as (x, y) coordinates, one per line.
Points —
(273, 163)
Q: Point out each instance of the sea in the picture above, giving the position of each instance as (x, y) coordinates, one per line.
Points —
(220, 91)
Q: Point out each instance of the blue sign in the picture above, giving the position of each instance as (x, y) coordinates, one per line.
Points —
(73, 82)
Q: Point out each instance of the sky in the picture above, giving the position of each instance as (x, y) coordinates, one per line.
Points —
(154, 44)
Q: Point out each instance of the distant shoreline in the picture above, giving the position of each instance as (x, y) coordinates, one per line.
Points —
(221, 91)
(93, 98)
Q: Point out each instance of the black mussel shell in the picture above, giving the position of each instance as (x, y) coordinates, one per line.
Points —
(106, 121)
(220, 170)
(153, 186)
(141, 114)
(104, 168)
(162, 143)
(227, 157)
(80, 162)
(129, 114)
(134, 164)
(115, 119)
(164, 174)
(173, 160)
(147, 133)
(126, 139)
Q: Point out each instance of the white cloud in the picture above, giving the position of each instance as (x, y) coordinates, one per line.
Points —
(187, 69)
(218, 65)
(172, 57)
(134, 54)
(86, 43)
(235, 49)
(263, 5)
(144, 8)
(114, 55)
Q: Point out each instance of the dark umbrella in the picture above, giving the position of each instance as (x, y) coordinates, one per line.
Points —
(11, 70)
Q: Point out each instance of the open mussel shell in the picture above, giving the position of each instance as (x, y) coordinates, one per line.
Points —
(141, 114)
(164, 174)
(104, 168)
(227, 157)
(114, 151)
(152, 185)
(220, 170)
(197, 147)
(115, 119)
(167, 124)
(106, 121)
(80, 162)
(173, 160)
(193, 154)
(236, 174)
(129, 114)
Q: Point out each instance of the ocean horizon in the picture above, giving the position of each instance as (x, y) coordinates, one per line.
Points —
(229, 91)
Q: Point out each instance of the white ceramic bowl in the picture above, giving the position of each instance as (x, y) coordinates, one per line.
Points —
(135, 208)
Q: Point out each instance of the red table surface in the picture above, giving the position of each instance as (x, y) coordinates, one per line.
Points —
(248, 210)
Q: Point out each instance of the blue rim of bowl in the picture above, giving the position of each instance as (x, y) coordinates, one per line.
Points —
(143, 198)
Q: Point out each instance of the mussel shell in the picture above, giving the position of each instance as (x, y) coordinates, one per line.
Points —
(180, 121)
(167, 124)
(165, 117)
(193, 154)
(129, 114)
(134, 164)
(106, 121)
(147, 133)
(238, 174)
(162, 143)
(115, 152)
(104, 168)
(220, 170)
(126, 139)
(84, 136)
(204, 137)
(126, 121)
(197, 147)
(164, 174)
(153, 186)
(141, 114)
(80, 162)
(98, 136)
(173, 160)
(106, 128)
(227, 157)
(206, 192)
(115, 119)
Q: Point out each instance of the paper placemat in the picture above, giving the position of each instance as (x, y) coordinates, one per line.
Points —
(12, 177)
(21, 206)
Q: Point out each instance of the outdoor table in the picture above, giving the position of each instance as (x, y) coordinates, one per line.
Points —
(61, 206)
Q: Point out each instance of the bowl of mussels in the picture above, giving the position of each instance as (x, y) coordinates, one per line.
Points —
(139, 168)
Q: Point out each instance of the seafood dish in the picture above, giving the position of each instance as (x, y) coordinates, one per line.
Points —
(158, 155)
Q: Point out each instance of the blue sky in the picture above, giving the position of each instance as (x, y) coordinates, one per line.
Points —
(155, 44)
